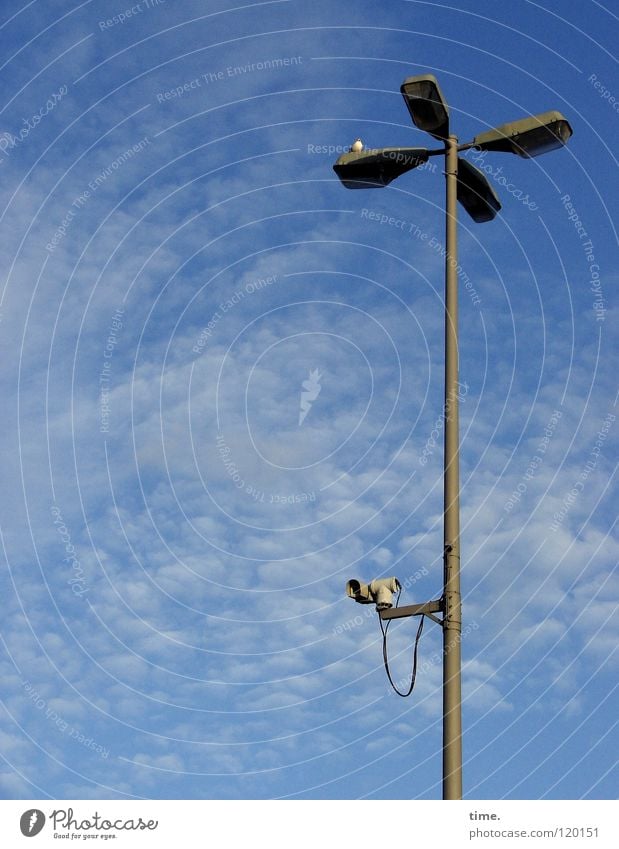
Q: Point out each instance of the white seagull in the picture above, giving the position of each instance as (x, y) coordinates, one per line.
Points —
(356, 146)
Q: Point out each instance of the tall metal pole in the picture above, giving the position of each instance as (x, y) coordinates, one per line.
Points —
(452, 622)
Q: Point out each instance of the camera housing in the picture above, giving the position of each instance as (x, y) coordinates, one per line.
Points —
(379, 592)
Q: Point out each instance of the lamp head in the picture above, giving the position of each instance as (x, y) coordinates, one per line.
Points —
(426, 105)
(374, 169)
(475, 193)
(527, 137)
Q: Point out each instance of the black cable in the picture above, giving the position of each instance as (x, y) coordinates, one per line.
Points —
(397, 604)
(386, 662)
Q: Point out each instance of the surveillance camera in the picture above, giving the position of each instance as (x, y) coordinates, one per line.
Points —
(360, 592)
(378, 592)
(382, 590)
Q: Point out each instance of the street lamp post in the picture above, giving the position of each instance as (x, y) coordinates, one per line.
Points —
(452, 615)
(526, 137)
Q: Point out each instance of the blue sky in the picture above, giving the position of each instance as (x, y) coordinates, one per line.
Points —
(178, 260)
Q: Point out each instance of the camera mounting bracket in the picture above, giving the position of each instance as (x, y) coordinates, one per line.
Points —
(426, 609)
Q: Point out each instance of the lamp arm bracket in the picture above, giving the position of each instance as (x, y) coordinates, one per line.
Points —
(467, 146)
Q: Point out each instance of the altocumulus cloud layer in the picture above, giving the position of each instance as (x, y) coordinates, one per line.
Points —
(222, 389)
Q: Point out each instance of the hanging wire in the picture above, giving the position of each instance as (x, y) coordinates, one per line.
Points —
(384, 629)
